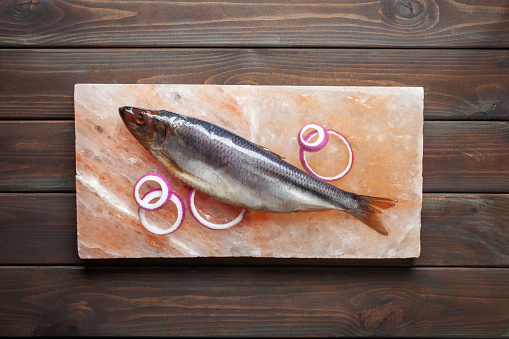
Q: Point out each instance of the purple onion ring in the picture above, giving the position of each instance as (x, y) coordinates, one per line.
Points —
(306, 166)
(317, 145)
(208, 224)
(181, 212)
(165, 187)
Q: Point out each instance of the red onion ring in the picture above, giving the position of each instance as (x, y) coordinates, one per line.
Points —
(165, 196)
(201, 220)
(317, 145)
(340, 175)
(181, 212)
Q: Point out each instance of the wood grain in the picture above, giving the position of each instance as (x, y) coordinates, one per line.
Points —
(241, 302)
(458, 84)
(38, 156)
(456, 153)
(465, 230)
(458, 50)
(38, 229)
(457, 230)
(284, 23)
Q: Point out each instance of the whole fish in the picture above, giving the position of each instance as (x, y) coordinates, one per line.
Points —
(239, 172)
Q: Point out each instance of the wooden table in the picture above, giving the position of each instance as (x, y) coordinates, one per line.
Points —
(456, 50)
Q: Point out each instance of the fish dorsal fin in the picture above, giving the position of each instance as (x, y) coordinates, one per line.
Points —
(271, 152)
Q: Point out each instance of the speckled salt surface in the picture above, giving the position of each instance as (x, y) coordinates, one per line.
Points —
(383, 124)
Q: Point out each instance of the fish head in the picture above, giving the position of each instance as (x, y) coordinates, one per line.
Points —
(147, 126)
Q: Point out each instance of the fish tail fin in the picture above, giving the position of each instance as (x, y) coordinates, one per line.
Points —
(368, 211)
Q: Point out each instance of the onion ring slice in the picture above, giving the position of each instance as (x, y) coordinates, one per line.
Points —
(181, 212)
(318, 144)
(306, 166)
(164, 198)
(206, 223)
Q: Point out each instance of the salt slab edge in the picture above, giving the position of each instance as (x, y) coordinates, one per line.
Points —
(383, 124)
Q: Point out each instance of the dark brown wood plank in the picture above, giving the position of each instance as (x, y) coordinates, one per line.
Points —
(285, 23)
(458, 84)
(241, 302)
(38, 156)
(465, 230)
(457, 230)
(466, 157)
(38, 229)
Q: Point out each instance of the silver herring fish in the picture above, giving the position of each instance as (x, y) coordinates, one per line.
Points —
(234, 170)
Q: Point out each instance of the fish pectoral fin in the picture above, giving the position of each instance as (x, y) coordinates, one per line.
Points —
(166, 160)
(270, 152)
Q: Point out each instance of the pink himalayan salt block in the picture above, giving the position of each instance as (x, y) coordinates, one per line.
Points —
(383, 125)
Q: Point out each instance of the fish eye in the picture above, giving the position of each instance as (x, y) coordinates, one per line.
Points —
(140, 118)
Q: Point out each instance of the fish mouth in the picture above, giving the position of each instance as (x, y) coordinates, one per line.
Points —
(129, 114)
(125, 110)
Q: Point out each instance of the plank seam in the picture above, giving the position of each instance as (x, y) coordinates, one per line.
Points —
(239, 47)
(246, 266)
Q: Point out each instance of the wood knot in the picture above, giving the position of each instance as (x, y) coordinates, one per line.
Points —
(409, 9)
(410, 14)
(23, 9)
(380, 310)
(27, 5)
(384, 317)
